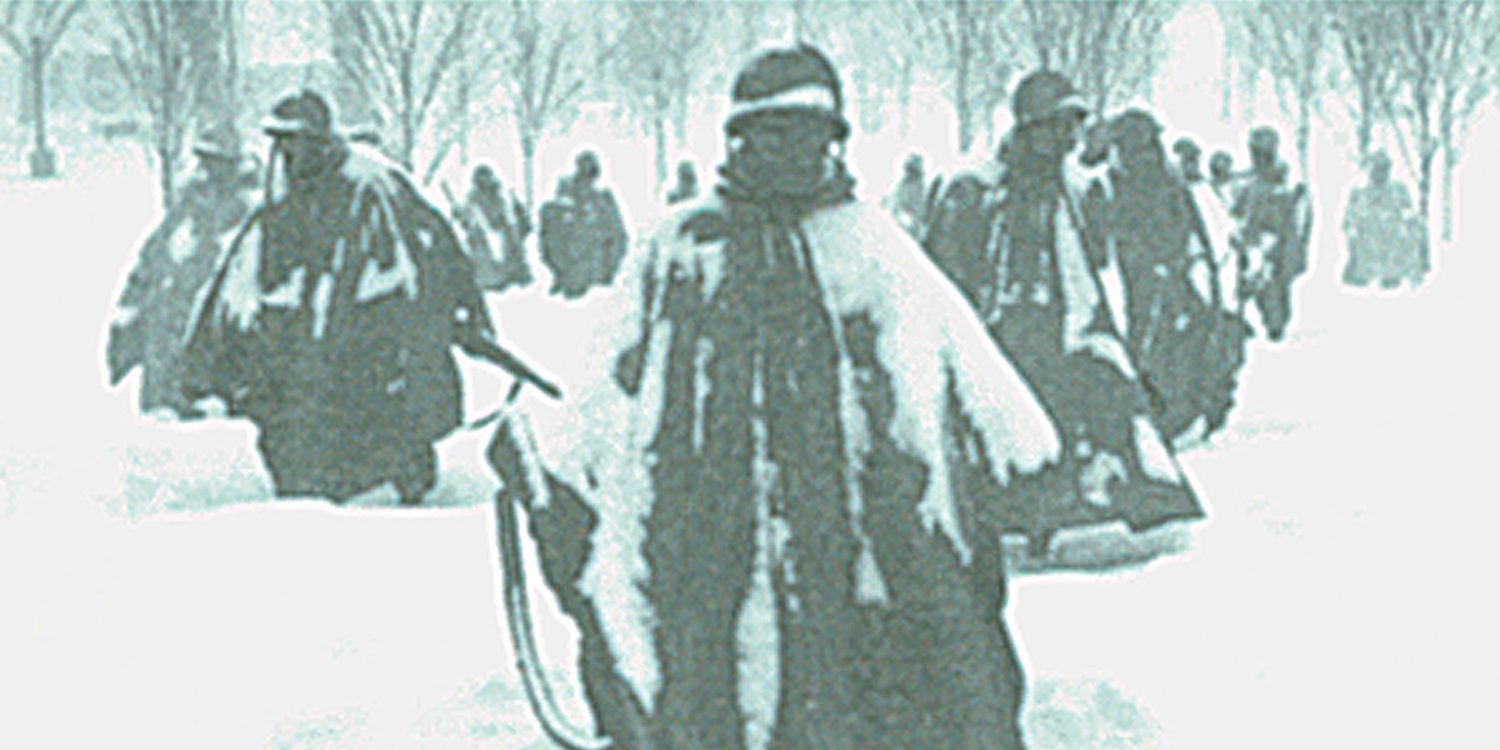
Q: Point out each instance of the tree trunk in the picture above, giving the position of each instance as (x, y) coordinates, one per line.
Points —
(659, 136)
(1450, 158)
(24, 108)
(1304, 133)
(1365, 130)
(1424, 188)
(961, 79)
(465, 103)
(43, 160)
(528, 167)
(1449, 168)
(166, 180)
(1226, 92)
(464, 95)
(903, 97)
(232, 64)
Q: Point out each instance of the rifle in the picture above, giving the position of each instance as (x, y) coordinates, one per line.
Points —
(486, 348)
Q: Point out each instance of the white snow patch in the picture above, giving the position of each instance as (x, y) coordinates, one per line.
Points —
(869, 584)
(758, 641)
(180, 245)
(1156, 461)
(124, 316)
(240, 295)
(701, 386)
(321, 300)
(289, 293)
(375, 282)
(1095, 478)
(1083, 296)
(928, 339)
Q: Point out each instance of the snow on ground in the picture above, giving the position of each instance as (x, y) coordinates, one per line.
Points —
(154, 597)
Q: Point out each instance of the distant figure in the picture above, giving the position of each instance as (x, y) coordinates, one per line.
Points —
(1189, 160)
(1386, 243)
(1037, 280)
(686, 188)
(1274, 224)
(495, 227)
(330, 322)
(1221, 176)
(176, 261)
(1188, 346)
(583, 234)
(909, 203)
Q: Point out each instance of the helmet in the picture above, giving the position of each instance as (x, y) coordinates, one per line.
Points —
(1133, 128)
(1264, 139)
(1185, 148)
(798, 78)
(305, 112)
(218, 142)
(587, 164)
(1045, 94)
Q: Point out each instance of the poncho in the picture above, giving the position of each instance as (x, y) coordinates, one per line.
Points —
(1040, 278)
(330, 322)
(774, 502)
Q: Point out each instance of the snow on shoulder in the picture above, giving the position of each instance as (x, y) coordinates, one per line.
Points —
(934, 348)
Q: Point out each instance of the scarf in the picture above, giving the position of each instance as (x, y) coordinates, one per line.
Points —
(751, 481)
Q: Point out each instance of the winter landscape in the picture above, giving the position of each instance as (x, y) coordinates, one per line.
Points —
(155, 595)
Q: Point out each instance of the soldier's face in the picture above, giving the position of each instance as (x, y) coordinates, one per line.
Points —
(217, 169)
(303, 154)
(786, 151)
(1056, 137)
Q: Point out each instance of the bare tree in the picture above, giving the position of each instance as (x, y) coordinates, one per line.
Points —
(1447, 56)
(474, 79)
(545, 63)
(655, 65)
(1369, 50)
(973, 42)
(31, 30)
(890, 75)
(1109, 48)
(158, 53)
(219, 52)
(401, 55)
(1288, 39)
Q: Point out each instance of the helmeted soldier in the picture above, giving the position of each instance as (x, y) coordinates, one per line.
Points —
(1385, 235)
(583, 233)
(495, 227)
(773, 506)
(1184, 340)
(330, 321)
(1189, 160)
(1272, 233)
(1025, 239)
(1221, 175)
(177, 259)
(909, 202)
(686, 188)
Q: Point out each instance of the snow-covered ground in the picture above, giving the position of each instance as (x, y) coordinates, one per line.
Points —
(151, 595)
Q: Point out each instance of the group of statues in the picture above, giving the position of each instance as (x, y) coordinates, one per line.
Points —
(582, 235)
(582, 240)
(773, 504)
